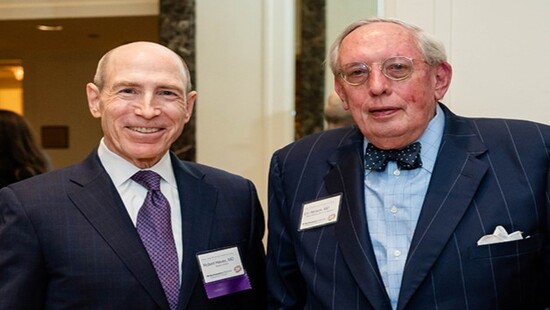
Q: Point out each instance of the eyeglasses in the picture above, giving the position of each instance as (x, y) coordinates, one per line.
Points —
(395, 68)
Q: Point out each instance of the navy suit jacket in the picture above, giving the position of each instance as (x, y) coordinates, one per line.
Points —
(67, 241)
(489, 172)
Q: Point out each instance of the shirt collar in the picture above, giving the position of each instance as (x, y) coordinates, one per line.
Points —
(431, 140)
(120, 170)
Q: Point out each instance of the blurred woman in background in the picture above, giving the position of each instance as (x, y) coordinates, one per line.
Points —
(20, 157)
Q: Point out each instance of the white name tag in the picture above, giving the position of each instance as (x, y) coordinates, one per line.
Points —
(320, 212)
(220, 264)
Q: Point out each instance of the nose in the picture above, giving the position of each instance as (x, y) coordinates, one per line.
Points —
(377, 82)
(146, 107)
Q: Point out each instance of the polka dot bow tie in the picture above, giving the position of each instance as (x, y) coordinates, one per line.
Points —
(407, 158)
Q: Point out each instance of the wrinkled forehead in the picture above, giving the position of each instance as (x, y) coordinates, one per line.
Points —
(145, 63)
(379, 40)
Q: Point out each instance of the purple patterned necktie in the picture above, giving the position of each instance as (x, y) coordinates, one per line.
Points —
(155, 230)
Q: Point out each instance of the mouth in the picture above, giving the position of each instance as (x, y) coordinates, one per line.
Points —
(145, 129)
(382, 111)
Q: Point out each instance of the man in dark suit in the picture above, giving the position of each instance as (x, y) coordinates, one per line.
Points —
(464, 224)
(72, 239)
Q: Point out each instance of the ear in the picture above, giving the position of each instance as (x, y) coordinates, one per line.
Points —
(443, 75)
(339, 89)
(93, 94)
(191, 97)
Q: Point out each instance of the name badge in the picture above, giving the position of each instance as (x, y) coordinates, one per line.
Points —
(223, 272)
(320, 212)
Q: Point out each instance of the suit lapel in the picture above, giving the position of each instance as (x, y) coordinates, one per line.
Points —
(346, 177)
(198, 205)
(456, 177)
(97, 199)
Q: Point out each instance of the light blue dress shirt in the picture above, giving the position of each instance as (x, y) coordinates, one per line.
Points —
(393, 200)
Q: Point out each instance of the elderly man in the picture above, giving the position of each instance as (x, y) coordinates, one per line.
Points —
(416, 207)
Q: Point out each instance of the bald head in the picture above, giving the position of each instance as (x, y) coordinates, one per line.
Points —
(147, 49)
(141, 95)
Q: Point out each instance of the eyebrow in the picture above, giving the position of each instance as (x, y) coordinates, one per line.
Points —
(124, 83)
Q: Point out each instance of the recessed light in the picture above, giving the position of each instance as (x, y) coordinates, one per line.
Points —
(49, 27)
(18, 73)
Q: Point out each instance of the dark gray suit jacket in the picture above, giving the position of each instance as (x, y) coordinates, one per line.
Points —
(67, 242)
(489, 172)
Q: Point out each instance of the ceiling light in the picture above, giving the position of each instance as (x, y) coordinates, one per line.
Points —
(18, 73)
(49, 27)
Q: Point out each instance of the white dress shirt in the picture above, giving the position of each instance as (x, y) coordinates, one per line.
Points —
(133, 194)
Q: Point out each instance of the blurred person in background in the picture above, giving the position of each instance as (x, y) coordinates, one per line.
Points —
(20, 156)
(335, 114)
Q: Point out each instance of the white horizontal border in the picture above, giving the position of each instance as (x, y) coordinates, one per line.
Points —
(13, 10)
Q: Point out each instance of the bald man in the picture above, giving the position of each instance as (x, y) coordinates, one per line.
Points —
(132, 226)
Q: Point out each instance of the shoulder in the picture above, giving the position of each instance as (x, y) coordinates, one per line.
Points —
(42, 194)
(515, 129)
(315, 154)
(210, 175)
(510, 136)
(321, 143)
(60, 180)
(496, 127)
(46, 180)
(210, 172)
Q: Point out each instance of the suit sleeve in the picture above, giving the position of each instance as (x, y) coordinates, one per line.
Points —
(546, 254)
(22, 270)
(256, 250)
(286, 288)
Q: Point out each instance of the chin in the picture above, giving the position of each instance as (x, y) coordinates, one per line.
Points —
(147, 153)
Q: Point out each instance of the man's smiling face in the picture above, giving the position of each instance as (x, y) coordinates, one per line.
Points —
(143, 104)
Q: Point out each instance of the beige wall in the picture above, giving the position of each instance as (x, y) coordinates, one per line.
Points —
(32, 9)
(54, 94)
(245, 84)
(498, 50)
(339, 14)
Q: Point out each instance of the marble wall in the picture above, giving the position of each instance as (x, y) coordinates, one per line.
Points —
(310, 68)
(177, 31)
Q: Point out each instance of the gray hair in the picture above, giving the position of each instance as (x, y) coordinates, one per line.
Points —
(431, 48)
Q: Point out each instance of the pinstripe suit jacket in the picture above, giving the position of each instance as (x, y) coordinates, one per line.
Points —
(489, 172)
(67, 242)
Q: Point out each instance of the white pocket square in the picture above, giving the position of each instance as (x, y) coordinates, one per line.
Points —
(500, 235)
